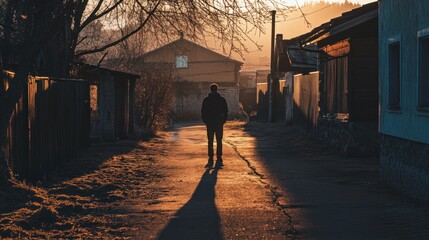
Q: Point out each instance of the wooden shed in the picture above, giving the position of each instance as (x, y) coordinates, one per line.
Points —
(348, 62)
(111, 102)
(348, 74)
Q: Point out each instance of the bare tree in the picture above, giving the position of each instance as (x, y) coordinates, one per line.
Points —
(50, 35)
(50, 30)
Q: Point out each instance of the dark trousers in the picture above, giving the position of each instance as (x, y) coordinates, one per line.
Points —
(211, 131)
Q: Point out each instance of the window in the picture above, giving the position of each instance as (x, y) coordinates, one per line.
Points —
(423, 70)
(394, 52)
(182, 61)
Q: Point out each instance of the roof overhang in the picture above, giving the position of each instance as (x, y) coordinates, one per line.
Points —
(354, 22)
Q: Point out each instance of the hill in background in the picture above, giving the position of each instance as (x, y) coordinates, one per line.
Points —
(293, 26)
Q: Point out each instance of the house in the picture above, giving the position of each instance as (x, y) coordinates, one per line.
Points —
(196, 67)
(292, 61)
(348, 69)
(404, 98)
(111, 102)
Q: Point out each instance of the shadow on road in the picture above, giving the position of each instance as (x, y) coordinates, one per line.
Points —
(199, 217)
(334, 196)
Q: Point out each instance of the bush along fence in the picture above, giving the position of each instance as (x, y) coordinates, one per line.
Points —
(49, 125)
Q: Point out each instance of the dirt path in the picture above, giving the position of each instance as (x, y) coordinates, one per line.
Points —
(275, 184)
(219, 203)
(158, 189)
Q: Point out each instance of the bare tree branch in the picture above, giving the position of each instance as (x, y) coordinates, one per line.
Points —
(123, 38)
(94, 16)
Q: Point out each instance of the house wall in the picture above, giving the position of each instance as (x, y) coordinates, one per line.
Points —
(404, 165)
(349, 91)
(363, 89)
(106, 121)
(189, 107)
(335, 80)
(122, 108)
(404, 158)
(204, 67)
(338, 49)
(403, 19)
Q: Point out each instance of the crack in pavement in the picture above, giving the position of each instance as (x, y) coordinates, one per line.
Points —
(291, 231)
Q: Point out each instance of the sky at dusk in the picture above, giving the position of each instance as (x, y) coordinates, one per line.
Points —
(302, 2)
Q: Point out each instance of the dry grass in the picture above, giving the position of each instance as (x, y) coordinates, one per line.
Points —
(81, 201)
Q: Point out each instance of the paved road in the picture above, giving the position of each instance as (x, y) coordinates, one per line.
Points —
(275, 184)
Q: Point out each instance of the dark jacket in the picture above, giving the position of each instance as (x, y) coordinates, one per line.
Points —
(214, 110)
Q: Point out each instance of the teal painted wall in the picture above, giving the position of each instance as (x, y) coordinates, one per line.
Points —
(403, 19)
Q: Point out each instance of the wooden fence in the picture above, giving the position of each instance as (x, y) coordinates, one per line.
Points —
(262, 101)
(49, 125)
(306, 100)
(280, 103)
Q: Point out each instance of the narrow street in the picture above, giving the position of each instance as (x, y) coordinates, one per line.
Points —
(275, 184)
(106, 109)
(231, 202)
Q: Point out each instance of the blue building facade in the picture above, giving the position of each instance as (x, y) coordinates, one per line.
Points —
(404, 95)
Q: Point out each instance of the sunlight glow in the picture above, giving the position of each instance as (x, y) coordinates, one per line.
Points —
(302, 2)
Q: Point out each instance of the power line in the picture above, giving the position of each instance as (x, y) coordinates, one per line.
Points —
(306, 14)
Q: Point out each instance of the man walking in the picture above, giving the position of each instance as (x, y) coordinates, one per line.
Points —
(214, 113)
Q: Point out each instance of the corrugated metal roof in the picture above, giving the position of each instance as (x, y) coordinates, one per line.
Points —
(293, 57)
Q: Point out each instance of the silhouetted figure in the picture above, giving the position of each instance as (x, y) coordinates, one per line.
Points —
(214, 113)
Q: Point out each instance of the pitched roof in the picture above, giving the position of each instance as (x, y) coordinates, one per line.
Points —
(88, 68)
(342, 23)
(305, 57)
(293, 57)
(182, 40)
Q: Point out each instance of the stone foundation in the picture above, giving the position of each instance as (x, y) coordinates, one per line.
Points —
(351, 138)
(404, 165)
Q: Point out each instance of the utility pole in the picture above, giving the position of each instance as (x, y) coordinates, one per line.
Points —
(272, 68)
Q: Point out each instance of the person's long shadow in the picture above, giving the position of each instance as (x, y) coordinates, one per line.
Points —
(198, 218)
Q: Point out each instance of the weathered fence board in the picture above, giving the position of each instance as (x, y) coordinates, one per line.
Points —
(16, 143)
(262, 101)
(306, 99)
(49, 125)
